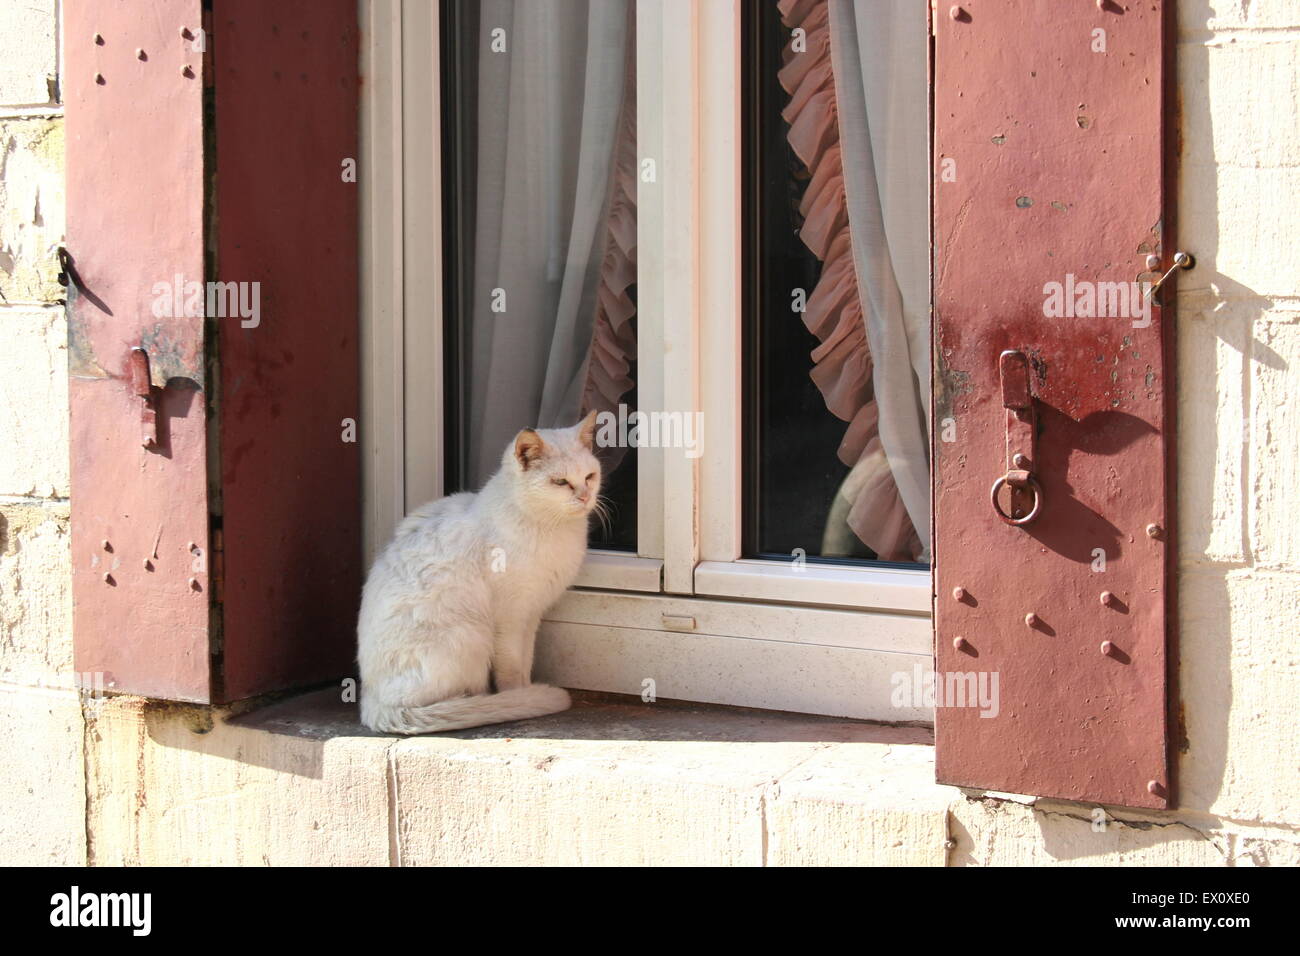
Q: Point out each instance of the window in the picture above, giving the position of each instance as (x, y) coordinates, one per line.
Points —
(557, 130)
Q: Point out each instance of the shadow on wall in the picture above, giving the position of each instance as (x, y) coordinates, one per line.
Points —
(1213, 310)
(1004, 833)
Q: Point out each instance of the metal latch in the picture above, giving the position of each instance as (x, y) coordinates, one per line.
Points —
(142, 385)
(1022, 442)
(1182, 260)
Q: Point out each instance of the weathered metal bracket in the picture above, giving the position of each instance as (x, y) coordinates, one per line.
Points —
(143, 386)
(1022, 442)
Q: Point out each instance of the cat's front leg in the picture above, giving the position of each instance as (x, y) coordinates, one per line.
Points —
(512, 653)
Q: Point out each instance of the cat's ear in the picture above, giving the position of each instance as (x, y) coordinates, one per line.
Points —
(587, 430)
(528, 447)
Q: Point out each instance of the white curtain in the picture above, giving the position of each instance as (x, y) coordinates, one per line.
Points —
(878, 52)
(548, 111)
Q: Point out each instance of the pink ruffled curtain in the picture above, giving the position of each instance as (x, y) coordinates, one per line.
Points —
(842, 363)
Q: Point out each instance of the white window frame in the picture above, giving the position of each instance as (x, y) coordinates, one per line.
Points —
(687, 616)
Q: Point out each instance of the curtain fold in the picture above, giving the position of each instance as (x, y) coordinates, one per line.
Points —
(858, 114)
(549, 113)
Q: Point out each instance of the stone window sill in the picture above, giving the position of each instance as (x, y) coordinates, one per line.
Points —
(618, 781)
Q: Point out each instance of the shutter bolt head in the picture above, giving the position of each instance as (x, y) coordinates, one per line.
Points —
(99, 39)
(186, 34)
(1019, 460)
(1031, 619)
(148, 565)
(1154, 531)
(959, 594)
(1106, 648)
(99, 79)
(960, 643)
(140, 54)
(1107, 599)
(192, 546)
(108, 578)
(106, 545)
(194, 583)
(1153, 261)
(187, 71)
(956, 12)
(1153, 787)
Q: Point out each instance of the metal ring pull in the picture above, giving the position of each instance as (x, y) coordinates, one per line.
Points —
(1028, 482)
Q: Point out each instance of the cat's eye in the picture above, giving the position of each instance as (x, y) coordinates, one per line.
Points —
(560, 481)
(591, 476)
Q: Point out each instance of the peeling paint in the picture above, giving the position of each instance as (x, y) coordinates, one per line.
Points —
(82, 362)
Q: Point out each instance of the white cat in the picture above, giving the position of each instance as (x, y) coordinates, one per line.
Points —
(456, 597)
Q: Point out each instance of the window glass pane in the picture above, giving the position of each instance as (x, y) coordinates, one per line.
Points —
(539, 140)
(837, 311)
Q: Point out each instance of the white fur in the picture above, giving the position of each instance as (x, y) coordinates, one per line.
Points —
(453, 603)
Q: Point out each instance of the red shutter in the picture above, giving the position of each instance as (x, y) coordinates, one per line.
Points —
(1048, 169)
(249, 449)
(142, 582)
(286, 119)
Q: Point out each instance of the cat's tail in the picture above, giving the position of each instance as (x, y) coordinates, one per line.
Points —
(459, 713)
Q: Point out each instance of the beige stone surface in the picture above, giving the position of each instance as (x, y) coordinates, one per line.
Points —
(34, 403)
(989, 832)
(35, 595)
(1239, 97)
(1212, 430)
(32, 208)
(1237, 221)
(42, 780)
(850, 805)
(1196, 17)
(665, 784)
(1274, 485)
(170, 784)
(574, 803)
(610, 782)
(1239, 683)
(1238, 339)
(28, 52)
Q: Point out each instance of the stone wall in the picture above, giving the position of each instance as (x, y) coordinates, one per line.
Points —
(42, 785)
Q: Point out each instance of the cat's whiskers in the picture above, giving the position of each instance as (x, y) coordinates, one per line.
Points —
(602, 510)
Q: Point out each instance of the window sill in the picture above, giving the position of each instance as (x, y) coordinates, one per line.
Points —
(617, 781)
